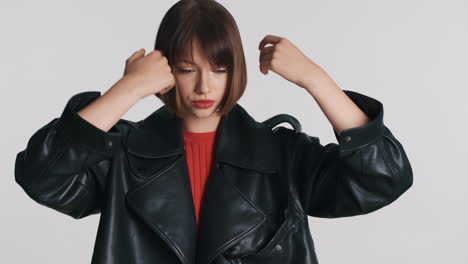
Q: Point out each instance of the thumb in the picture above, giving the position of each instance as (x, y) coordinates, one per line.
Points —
(137, 54)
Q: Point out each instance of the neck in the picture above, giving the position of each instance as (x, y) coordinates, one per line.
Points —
(201, 125)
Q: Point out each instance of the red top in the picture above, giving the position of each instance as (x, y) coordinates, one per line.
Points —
(200, 150)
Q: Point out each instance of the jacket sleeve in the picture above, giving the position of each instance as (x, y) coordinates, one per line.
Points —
(65, 163)
(367, 170)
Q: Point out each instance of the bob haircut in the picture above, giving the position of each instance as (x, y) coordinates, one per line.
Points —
(216, 31)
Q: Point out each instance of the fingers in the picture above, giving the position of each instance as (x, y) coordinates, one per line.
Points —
(165, 90)
(266, 55)
(173, 82)
(170, 86)
(135, 55)
(156, 53)
(269, 39)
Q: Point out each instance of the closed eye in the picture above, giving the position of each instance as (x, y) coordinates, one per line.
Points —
(184, 71)
(188, 71)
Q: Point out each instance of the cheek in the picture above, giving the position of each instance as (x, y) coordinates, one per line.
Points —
(222, 83)
(183, 88)
(183, 94)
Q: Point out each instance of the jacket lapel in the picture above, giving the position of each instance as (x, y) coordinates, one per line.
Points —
(163, 198)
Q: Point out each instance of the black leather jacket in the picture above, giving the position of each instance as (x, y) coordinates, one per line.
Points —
(265, 183)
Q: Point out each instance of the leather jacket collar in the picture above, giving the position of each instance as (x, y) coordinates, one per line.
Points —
(241, 140)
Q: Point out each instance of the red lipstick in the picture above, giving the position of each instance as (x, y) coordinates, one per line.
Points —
(204, 103)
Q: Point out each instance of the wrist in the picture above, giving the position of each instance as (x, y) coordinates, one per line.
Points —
(318, 79)
(129, 84)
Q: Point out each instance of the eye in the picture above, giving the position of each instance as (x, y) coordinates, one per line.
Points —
(184, 70)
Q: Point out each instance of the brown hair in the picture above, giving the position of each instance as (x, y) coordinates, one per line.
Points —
(209, 23)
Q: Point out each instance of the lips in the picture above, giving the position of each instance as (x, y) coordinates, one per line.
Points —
(204, 103)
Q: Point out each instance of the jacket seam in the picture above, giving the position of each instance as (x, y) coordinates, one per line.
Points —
(73, 142)
(359, 147)
(386, 159)
(361, 173)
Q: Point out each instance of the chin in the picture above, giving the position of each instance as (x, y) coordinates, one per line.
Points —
(203, 113)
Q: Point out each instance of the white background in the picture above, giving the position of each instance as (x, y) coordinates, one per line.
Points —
(410, 55)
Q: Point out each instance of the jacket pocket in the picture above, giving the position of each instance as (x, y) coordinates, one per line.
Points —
(279, 248)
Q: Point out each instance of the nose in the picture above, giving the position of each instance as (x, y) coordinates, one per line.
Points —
(203, 84)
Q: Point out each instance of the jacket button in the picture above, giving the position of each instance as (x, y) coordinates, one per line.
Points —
(278, 247)
(109, 144)
(348, 138)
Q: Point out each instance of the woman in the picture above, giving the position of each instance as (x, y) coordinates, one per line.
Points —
(159, 197)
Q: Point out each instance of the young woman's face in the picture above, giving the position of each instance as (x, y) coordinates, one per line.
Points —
(198, 81)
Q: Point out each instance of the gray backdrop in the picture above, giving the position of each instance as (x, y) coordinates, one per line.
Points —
(410, 55)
